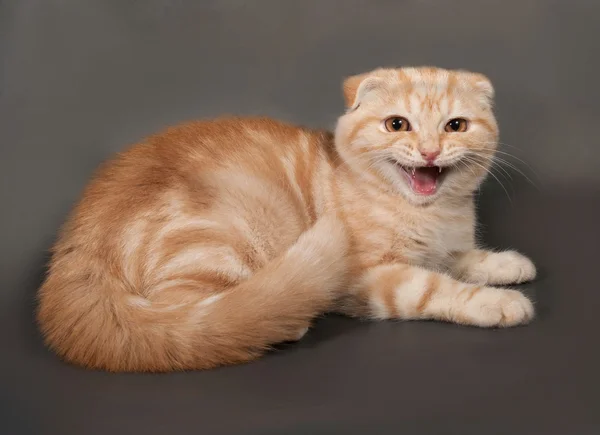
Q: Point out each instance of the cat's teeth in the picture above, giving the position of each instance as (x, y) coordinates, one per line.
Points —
(413, 171)
(440, 169)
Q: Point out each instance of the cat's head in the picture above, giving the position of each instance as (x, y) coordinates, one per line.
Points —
(423, 132)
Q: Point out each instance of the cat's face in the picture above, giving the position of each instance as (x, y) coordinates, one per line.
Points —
(424, 132)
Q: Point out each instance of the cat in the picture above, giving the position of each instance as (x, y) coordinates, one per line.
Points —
(210, 242)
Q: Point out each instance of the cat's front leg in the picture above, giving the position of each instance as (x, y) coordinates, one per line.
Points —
(400, 291)
(493, 268)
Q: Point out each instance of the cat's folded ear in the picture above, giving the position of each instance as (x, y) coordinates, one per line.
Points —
(484, 85)
(358, 86)
(481, 84)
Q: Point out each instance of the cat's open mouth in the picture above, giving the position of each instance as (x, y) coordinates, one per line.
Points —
(423, 180)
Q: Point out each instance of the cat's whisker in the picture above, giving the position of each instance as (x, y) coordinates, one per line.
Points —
(492, 151)
(493, 161)
(489, 171)
(463, 163)
(506, 154)
(489, 155)
(495, 164)
(501, 161)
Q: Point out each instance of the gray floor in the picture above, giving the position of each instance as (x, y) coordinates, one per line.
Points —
(81, 79)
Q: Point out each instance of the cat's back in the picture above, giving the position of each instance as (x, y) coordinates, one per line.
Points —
(198, 148)
(234, 140)
(195, 165)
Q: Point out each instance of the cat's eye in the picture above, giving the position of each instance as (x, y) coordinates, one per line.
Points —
(456, 125)
(397, 123)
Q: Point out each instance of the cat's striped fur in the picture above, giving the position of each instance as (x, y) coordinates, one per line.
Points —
(206, 244)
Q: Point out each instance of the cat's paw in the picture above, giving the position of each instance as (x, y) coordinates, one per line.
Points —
(500, 268)
(494, 307)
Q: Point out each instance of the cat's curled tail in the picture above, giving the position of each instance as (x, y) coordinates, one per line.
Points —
(103, 325)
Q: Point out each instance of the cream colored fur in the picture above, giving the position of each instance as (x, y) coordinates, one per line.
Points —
(206, 244)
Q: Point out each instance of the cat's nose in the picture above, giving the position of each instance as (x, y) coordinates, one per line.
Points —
(430, 155)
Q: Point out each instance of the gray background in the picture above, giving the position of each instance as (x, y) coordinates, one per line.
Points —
(83, 79)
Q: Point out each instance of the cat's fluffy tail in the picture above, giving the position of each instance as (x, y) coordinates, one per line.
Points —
(107, 327)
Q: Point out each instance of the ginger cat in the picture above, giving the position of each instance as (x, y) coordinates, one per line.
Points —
(206, 244)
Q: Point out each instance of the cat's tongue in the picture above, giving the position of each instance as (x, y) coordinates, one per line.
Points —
(424, 180)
